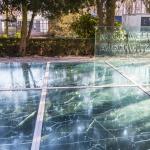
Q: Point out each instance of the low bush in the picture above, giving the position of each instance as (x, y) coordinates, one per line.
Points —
(9, 47)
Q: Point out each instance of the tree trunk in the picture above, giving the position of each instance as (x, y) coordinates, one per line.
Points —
(6, 23)
(25, 71)
(23, 42)
(6, 19)
(147, 5)
(110, 12)
(100, 12)
(31, 26)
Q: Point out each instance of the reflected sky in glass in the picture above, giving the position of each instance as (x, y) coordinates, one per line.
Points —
(136, 70)
(84, 74)
(21, 75)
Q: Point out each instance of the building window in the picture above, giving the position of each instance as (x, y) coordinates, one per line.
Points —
(145, 21)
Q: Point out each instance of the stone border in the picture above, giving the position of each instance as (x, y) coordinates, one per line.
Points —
(69, 59)
(44, 59)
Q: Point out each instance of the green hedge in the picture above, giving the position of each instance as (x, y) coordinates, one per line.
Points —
(9, 47)
(48, 47)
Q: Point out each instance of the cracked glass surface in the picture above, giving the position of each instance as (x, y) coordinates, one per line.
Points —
(114, 116)
(18, 112)
(138, 71)
(84, 74)
(21, 75)
(91, 119)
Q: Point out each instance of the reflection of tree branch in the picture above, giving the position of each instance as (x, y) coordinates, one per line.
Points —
(26, 72)
(104, 128)
(90, 126)
(27, 121)
(25, 67)
(97, 147)
(34, 83)
(11, 74)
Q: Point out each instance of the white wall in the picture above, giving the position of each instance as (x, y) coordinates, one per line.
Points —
(40, 24)
(133, 22)
(44, 26)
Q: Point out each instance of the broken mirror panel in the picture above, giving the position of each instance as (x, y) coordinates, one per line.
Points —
(84, 74)
(91, 119)
(21, 75)
(18, 112)
(138, 71)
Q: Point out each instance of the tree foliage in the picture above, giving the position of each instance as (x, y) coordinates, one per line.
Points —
(147, 5)
(84, 27)
(48, 8)
(106, 12)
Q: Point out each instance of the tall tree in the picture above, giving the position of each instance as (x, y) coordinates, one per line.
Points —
(110, 12)
(4, 9)
(100, 11)
(147, 5)
(48, 8)
(6, 18)
(35, 6)
(106, 12)
(24, 27)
